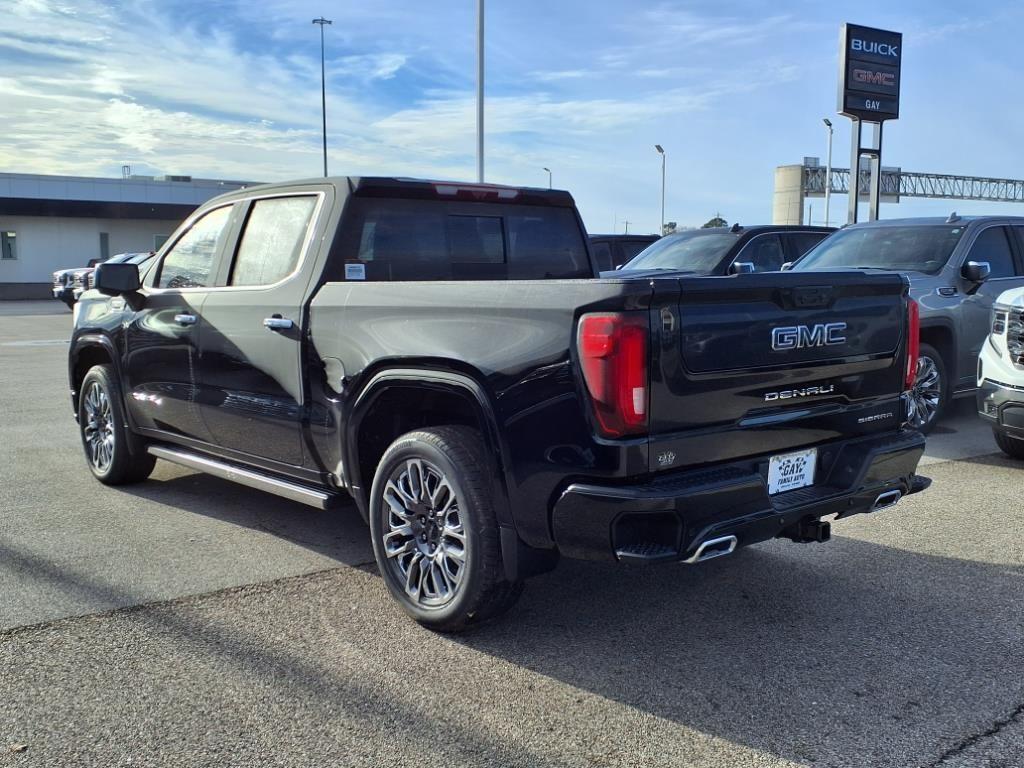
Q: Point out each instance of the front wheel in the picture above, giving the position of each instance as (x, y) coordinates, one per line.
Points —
(1011, 446)
(928, 396)
(435, 534)
(115, 455)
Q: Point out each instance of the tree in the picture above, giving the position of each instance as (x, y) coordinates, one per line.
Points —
(669, 228)
(718, 221)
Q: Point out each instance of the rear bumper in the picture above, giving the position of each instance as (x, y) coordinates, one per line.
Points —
(670, 517)
(1002, 407)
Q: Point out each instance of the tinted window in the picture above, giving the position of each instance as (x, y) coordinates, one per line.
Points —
(272, 240)
(802, 242)
(428, 240)
(764, 252)
(697, 251)
(476, 239)
(993, 247)
(916, 248)
(603, 256)
(189, 261)
(630, 249)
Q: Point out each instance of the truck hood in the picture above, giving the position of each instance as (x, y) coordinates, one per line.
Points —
(1011, 298)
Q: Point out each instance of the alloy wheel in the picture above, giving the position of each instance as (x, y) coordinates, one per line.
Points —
(99, 427)
(926, 395)
(424, 539)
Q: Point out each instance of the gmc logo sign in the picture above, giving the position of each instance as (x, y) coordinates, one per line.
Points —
(802, 336)
(873, 77)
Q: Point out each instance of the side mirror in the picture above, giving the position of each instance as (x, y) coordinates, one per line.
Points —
(115, 279)
(742, 268)
(786, 266)
(976, 271)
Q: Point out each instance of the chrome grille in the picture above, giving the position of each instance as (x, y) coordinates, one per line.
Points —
(1015, 336)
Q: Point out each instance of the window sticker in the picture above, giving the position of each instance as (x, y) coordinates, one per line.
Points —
(355, 271)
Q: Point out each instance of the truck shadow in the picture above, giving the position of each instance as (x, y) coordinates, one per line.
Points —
(848, 653)
(338, 534)
(787, 649)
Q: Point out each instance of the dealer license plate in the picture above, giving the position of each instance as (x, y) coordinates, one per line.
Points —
(789, 471)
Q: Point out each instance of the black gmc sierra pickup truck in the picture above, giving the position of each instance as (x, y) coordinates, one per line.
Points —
(443, 353)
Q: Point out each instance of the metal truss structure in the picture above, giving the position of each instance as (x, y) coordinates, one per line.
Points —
(896, 184)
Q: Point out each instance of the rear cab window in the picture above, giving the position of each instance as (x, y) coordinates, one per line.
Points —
(408, 240)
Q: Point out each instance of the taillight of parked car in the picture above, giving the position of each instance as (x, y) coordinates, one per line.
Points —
(613, 356)
(913, 342)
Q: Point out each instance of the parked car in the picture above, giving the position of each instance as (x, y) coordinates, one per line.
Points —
(68, 284)
(723, 251)
(612, 251)
(440, 353)
(139, 259)
(957, 266)
(1001, 374)
(67, 281)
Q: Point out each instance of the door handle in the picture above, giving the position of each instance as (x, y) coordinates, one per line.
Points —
(183, 319)
(278, 323)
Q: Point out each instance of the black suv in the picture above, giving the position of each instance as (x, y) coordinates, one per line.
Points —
(723, 251)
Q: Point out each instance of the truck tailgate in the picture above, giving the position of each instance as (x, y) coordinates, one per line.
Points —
(753, 364)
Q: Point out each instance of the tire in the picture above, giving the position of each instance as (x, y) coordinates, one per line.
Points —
(1011, 446)
(930, 395)
(431, 502)
(114, 454)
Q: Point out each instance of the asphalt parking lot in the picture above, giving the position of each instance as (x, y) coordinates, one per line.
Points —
(188, 621)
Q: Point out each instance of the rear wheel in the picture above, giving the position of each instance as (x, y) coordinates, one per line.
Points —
(115, 455)
(929, 394)
(435, 534)
(1011, 446)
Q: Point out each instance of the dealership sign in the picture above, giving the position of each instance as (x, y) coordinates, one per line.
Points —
(869, 73)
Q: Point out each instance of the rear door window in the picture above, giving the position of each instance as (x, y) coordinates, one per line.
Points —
(272, 240)
(993, 246)
(436, 240)
(603, 256)
(801, 242)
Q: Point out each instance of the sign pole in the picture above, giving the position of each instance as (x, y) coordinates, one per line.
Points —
(876, 175)
(855, 129)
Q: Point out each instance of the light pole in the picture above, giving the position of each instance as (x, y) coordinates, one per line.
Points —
(828, 170)
(661, 152)
(480, 91)
(323, 84)
(549, 177)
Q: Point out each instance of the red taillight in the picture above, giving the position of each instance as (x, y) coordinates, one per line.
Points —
(913, 342)
(613, 356)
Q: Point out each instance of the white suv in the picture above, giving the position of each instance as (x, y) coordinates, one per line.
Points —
(1001, 373)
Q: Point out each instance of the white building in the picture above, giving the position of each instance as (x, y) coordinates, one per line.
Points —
(52, 222)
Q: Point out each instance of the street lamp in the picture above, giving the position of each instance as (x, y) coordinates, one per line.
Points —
(480, 91)
(549, 177)
(661, 152)
(323, 84)
(828, 171)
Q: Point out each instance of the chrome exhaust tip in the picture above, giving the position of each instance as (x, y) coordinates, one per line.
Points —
(886, 500)
(712, 548)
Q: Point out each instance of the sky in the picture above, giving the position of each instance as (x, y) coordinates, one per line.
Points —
(231, 90)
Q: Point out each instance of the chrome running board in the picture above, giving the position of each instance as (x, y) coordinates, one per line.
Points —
(304, 494)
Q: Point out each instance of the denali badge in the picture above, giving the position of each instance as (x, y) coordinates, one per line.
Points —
(800, 336)
(789, 394)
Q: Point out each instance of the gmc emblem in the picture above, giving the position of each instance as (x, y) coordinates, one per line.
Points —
(801, 336)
